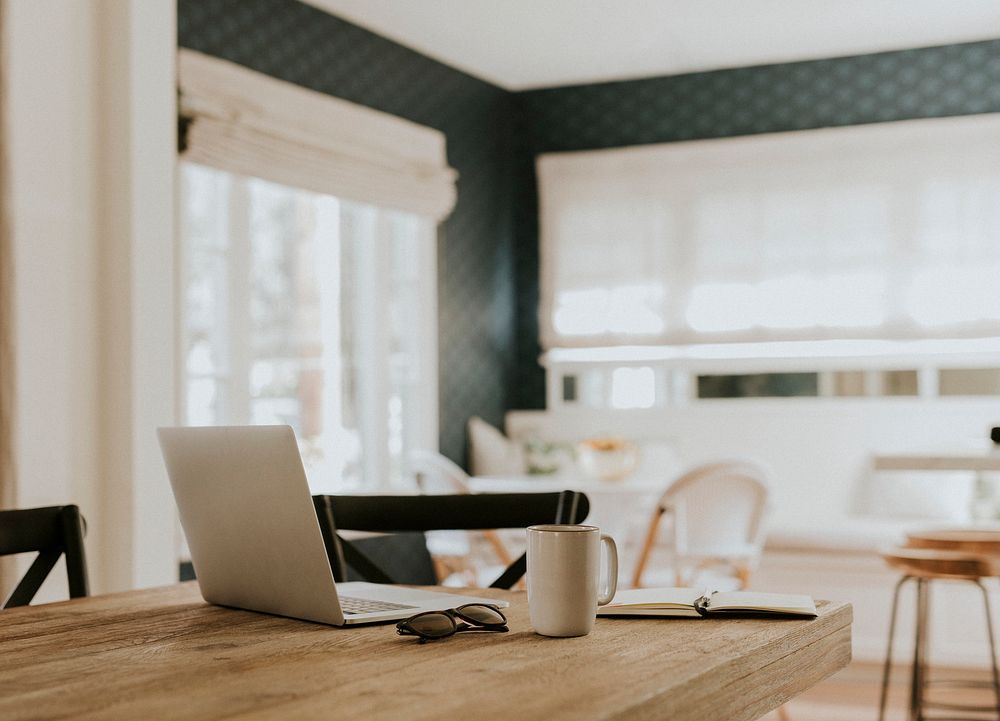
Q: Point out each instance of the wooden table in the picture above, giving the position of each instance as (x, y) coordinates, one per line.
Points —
(937, 462)
(165, 654)
(972, 540)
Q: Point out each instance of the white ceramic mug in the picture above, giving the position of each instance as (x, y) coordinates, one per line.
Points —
(564, 564)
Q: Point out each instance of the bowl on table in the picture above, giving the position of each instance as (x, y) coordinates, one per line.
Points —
(607, 459)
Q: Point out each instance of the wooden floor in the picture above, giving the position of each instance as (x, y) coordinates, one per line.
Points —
(853, 695)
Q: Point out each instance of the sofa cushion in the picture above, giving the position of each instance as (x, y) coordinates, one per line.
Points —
(924, 495)
(491, 453)
(850, 534)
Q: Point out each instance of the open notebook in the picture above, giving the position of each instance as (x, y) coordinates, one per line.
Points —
(695, 602)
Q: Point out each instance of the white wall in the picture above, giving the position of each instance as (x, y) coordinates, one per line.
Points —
(819, 450)
(90, 120)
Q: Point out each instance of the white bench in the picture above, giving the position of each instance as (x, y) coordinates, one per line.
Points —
(831, 515)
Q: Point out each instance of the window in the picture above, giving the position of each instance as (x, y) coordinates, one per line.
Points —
(969, 381)
(309, 294)
(851, 262)
(884, 231)
(306, 309)
(642, 377)
(875, 383)
(758, 385)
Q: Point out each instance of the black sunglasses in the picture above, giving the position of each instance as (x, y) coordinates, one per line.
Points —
(432, 625)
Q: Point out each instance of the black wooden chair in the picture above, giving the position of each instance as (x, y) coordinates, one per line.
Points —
(51, 532)
(412, 516)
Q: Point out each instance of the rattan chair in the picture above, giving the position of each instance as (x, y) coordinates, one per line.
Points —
(717, 512)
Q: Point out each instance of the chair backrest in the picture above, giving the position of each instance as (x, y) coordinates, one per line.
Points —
(462, 512)
(435, 473)
(51, 532)
(718, 506)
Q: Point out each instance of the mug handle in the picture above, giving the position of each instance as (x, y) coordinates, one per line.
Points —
(612, 584)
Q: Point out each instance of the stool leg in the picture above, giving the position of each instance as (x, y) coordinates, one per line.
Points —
(888, 651)
(919, 649)
(993, 646)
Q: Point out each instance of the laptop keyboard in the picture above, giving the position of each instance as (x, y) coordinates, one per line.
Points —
(353, 606)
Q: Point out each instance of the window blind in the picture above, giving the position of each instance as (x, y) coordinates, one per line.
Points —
(878, 231)
(248, 123)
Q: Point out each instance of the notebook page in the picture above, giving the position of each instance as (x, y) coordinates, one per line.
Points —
(753, 601)
(656, 598)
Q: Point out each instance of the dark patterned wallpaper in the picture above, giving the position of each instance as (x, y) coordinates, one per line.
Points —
(931, 82)
(488, 252)
(298, 43)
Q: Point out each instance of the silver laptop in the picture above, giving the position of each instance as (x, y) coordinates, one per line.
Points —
(255, 540)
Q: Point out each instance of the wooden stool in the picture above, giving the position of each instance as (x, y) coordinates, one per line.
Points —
(923, 565)
(980, 541)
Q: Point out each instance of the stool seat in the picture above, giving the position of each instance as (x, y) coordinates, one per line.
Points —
(932, 563)
(971, 540)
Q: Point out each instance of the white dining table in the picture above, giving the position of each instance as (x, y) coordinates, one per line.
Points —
(628, 486)
(621, 508)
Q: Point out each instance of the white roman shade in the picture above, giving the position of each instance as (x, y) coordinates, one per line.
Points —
(879, 231)
(249, 123)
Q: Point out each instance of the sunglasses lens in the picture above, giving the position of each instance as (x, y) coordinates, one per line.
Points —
(482, 614)
(432, 625)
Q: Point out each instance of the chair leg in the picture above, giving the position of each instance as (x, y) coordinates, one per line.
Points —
(783, 714)
(498, 548)
(647, 548)
(993, 647)
(888, 651)
(919, 653)
(447, 566)
(441, 569)
(743, 576)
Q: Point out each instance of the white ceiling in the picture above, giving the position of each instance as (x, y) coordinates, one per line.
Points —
(521, 44)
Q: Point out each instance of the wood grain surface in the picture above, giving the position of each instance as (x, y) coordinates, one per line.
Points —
(970, 540)
(937, 462)
(934, 563)
(166, 654)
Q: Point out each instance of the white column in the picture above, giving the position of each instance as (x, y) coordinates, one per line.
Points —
(137, 116)
(51, 126)
(90, 108)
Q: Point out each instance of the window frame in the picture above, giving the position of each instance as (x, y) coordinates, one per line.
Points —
(677, 368)
(374, 354)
